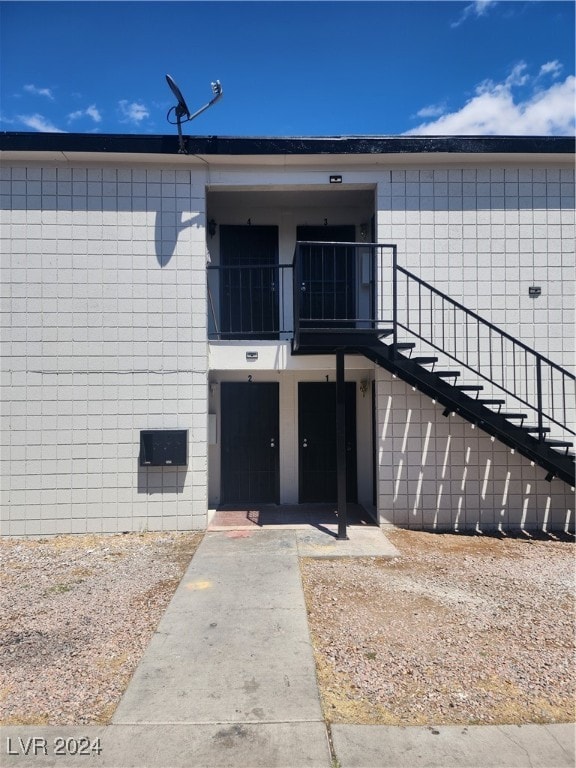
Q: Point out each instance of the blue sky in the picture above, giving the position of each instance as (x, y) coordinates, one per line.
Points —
(290, 68)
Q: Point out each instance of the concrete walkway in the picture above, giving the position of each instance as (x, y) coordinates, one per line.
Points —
(229, 680)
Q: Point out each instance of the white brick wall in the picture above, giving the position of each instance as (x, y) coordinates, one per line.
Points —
(441, 473)
(104, 330)
(104, 317)
(482, 236)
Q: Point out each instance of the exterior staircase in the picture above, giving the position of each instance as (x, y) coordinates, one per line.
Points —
(461, 361)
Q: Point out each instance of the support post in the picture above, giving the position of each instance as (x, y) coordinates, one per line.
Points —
(341, 444)
(539, 398)
(395, 302)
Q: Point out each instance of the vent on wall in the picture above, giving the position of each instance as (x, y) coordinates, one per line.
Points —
(164, 448)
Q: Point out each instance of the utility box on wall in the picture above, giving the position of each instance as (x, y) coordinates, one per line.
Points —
(164, 448)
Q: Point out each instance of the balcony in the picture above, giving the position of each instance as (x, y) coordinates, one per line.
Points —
(329, 288)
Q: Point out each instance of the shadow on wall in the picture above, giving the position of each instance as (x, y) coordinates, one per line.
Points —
(167, 229)
(443, 474)
(161, 480)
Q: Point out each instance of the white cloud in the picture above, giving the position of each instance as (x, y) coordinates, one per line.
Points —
(133, 112)
(39, 123)
(476, 9)
(432, 110)
(518, 76)
(551, 68)
(94, 113)
(39, 91)
(90, 111)
(493, 110)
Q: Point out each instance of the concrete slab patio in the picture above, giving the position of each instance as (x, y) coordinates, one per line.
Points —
(319, 516)
(315, 527)
(229, 680)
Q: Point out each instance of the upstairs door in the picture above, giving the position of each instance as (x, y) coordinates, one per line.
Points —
(317, 442)
(249, 443)
(249, 282)
(328, 276)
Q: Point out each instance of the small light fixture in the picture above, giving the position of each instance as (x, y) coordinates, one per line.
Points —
(534, 291)
(212, 227)
(364, 387)
(335, 179)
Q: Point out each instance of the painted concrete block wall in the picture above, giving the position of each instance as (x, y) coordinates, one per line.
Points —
(104, 316)
(104, 306)
(483, 236)
(441, 473)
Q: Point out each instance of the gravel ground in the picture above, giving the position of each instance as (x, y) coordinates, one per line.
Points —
(76, 613)
(458, 630)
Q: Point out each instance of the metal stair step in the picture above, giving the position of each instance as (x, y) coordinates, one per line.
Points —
(513, 415)
(470, 388)
(424, 360)
(536, 429)
(447, 374)
(403, 345)
(558, 444)
(491, 402)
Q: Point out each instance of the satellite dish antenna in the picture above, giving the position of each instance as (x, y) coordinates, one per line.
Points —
(181, 109)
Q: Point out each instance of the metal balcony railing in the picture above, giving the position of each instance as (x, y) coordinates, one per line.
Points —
(250, 302)
(342, 287)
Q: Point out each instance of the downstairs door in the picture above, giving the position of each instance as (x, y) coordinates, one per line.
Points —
(249, 443)
(317, 442)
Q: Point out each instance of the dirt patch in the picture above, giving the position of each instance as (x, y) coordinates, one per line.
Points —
(458, 630)
(76, 614)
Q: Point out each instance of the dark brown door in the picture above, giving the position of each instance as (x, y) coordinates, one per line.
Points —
(249, 442)
(327, 276)
(317, 441)
(249, 282)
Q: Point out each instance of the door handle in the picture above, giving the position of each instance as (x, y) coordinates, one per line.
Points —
(272, 442)
(305, 443)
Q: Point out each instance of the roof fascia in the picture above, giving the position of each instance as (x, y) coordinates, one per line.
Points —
(235, 147)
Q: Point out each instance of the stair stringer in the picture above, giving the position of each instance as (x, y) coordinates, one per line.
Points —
(455, 401)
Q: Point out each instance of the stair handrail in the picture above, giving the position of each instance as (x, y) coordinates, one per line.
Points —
(540, 359)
